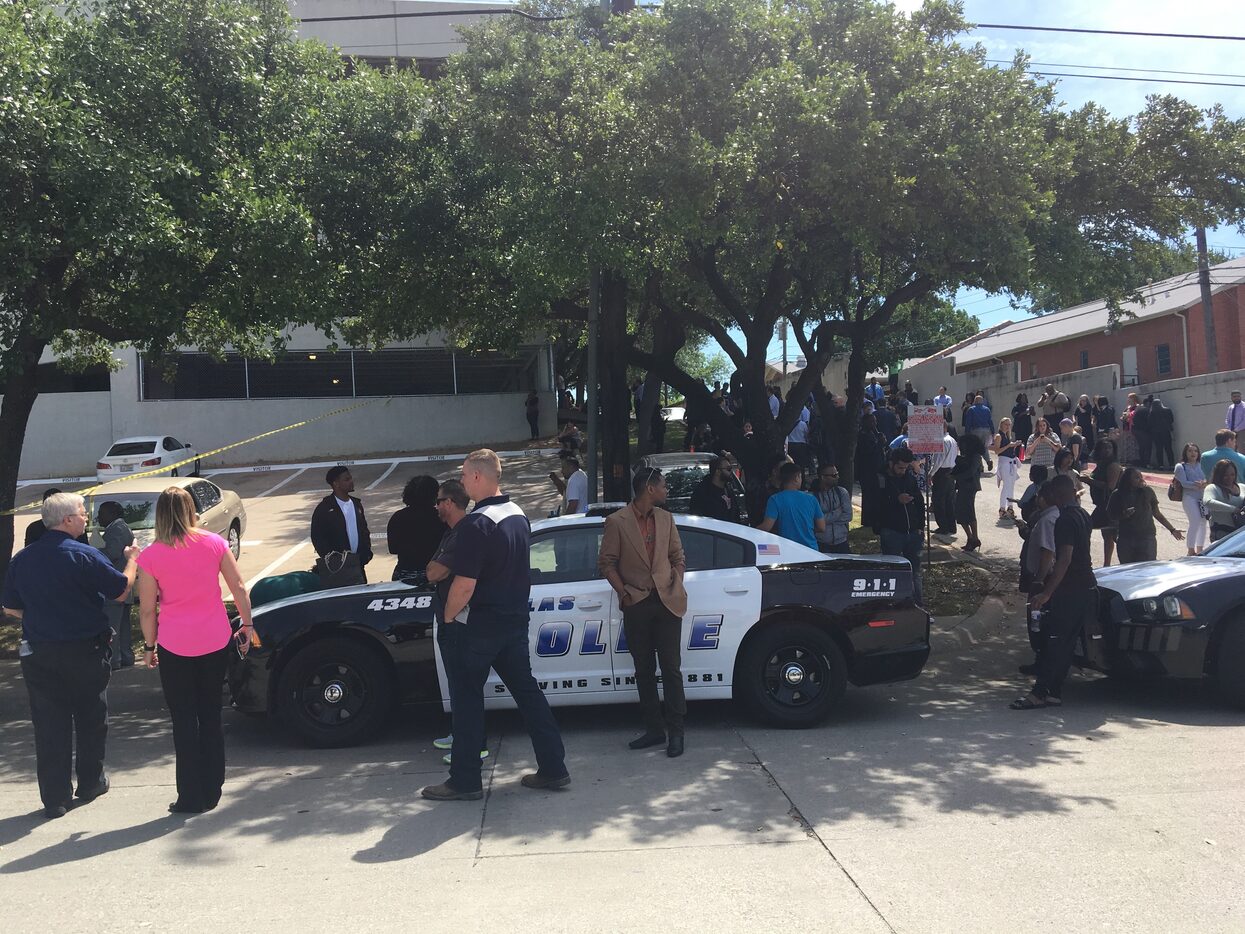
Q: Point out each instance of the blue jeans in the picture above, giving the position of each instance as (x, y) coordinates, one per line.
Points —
(908, 545)
(469, 651)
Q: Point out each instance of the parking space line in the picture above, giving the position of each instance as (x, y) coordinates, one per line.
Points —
(273, 489)
(276, 564)
(377, 482)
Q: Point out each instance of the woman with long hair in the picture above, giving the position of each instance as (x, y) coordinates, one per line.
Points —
(1224, 501)
(415, 531)
(1192, 484)
(1042, 447)
(1102, 483)
(1135, 507)
(1008, 450)
(1065, 464)
(967, 476)
(189, 638)
(1083, 416)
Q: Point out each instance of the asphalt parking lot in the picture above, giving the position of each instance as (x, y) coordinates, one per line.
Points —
(925, 806)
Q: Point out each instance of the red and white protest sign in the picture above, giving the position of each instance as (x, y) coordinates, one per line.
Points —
(925, 429)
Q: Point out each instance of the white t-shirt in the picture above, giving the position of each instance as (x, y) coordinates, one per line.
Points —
(773, 405)
(576, 489)
(352, 523)
(799, 431)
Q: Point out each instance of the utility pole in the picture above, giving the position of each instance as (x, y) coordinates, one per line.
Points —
(1208, 311)
(594, 379)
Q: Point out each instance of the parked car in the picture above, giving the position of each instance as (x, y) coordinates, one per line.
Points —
(674, 413)
(1175, 619)
(220, 511)
(780, 627)
(138, 455)
(683, 471)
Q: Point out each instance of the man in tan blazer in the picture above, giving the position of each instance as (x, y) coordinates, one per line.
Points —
(642, 558)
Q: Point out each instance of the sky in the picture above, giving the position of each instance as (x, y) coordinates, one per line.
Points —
(1131, 54)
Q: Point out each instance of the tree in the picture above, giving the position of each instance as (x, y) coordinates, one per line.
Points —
(151, 155)
(729, 163)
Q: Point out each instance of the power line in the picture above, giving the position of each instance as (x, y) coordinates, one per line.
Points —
(366, 16)
(1156, 71)
(1064, 74)
(1109, 32)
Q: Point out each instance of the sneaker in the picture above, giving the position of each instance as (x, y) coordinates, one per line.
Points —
(445, 742)
(446, 758)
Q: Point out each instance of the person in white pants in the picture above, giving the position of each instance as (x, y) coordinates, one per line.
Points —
(1193, 482)
(1007, 449)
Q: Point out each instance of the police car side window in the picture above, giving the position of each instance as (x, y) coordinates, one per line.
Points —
(704, 551)
(566, 555)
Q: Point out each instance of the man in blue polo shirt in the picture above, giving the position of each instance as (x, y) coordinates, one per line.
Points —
(795, 514)
(492, 582)
(57, 588)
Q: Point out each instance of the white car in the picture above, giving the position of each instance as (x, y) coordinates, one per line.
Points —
(774, 624)
(138, 455)
(674, 413)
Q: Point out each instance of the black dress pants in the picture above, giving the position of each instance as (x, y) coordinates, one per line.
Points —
(944, 500)
(192, 689)
(1064, 618)
(1163, 453)
(655, 636)
(67, 683)
(468, 652)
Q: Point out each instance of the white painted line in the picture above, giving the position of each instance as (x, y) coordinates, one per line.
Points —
(52, 481)
(381, 479)
(273, 489)
(251, 544)
(276, 564)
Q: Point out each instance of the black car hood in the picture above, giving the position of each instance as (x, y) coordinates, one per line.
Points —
(1155, 578)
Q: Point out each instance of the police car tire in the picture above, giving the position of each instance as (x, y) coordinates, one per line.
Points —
(801, 643)
(1229, 674)
(366, 683)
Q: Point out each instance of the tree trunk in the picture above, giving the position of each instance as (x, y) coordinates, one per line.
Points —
(20, 391)
(614, 392)
(644, 415)
(847, 429)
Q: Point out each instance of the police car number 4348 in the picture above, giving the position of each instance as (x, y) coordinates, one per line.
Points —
(779, 627)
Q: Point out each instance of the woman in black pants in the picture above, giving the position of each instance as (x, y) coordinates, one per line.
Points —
(187, 635)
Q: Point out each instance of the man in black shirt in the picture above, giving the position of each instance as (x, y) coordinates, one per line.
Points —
(711, 498)
(1069, 599)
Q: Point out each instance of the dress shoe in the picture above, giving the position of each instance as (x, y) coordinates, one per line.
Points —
(53, 811)
(99, 788)
(1030, 669)
(648, 739)
(538, 781)
(447, 792)
(176, 807)
(675, 747)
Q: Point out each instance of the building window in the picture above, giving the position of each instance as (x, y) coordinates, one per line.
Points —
(195, 376)
(415, 371)
(1164, 354)
(1033, 371)
(303, 374)
(1084, 359)
(52, 377)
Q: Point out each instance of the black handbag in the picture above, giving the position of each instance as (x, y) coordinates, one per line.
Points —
(339, 569)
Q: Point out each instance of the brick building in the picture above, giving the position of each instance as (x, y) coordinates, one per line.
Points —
(1163, 339)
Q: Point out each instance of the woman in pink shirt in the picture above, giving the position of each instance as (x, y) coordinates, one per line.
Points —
(182, 612)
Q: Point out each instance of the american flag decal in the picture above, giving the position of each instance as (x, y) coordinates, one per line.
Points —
(768, 550)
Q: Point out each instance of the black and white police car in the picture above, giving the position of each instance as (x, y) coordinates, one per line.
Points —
(772, 623)
(1181, 619)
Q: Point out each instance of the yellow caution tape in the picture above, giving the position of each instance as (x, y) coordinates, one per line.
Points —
(200, 456)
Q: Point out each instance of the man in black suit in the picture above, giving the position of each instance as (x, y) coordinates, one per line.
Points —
(339, 525)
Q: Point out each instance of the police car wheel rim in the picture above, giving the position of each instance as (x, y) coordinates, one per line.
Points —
(795, 676)
(333, 694)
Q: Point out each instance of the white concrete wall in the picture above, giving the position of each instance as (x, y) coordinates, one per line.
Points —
(66, 434)
(1199, 404)
(390, 37)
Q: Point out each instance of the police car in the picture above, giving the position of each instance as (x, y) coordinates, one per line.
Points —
(1175, 619)
(771, 623)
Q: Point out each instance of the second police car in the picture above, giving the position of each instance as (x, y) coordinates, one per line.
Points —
(771, 623)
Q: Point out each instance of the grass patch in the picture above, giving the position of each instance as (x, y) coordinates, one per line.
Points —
(952, 587)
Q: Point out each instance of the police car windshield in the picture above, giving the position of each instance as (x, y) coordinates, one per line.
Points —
(1230, 546)
(138, 510)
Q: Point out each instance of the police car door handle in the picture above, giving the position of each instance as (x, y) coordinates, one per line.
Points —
(590, 606)
(737, 590)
